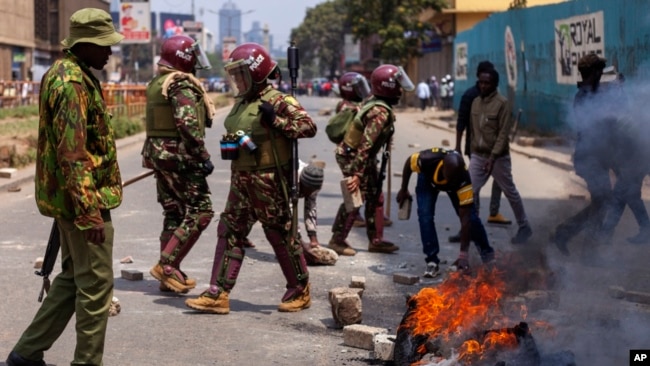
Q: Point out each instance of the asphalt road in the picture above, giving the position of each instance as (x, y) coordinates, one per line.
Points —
(156, 328)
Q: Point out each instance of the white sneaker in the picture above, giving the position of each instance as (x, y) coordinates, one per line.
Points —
(433, 270)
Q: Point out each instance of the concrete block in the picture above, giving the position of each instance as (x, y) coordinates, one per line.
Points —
(361, 336)
(358, 282)
(405, 278)
(352, 200)
(537, 300)
(115, 307)
(346, 304)
(132, 275)
(325, 111)
(7, 172)
(638, 297)
(384, 346)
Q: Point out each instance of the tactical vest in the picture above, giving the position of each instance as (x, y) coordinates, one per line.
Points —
(246, 117)
(355, 132)
(160, 114)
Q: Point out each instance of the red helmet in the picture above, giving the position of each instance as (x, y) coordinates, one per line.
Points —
(184, 54)
(388, 80)
(353, 86)
(248, 64)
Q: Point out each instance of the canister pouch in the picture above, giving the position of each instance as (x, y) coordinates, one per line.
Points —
(229, 146)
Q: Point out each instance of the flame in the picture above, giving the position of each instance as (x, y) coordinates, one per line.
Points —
(472, 351)
(457, 308)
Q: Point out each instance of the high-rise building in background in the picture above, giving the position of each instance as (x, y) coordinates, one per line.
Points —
(255, 34)
(230, 22)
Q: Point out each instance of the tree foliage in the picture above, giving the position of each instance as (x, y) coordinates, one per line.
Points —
(396, 22)
(320, 38)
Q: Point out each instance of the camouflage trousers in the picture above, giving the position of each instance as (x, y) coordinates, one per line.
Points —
(369, 186)
(257, 196)
(187, 209)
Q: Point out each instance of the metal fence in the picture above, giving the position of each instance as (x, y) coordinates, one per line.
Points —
(122, 100)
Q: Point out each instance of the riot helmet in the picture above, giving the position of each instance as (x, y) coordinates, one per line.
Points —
(248, 66)
(184, 54)
(353, 87)
(387, 81)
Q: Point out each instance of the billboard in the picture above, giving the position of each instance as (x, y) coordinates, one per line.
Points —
(135, 20)
(171, 24)
(193, 29)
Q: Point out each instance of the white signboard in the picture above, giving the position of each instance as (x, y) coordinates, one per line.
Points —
(135, 20)
(460, 66)
(511, 58)
(575, 37)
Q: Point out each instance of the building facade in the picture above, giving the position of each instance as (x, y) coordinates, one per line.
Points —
(31, 34)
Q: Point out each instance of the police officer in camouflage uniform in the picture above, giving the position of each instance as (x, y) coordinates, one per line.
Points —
(77, 183)
(261, 124)
(353, 88)
(178, 111)
(357, 158)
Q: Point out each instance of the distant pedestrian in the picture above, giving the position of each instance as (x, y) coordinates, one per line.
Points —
(78, 183)
(444, 90)
(423, 93)
(434, 90)
(450, 92)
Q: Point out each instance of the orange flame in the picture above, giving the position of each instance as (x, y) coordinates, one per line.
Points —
(457, 308)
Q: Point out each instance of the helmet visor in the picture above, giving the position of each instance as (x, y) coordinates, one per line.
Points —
(240, 78)
(404, 80)
(202, 61)
(361, 87)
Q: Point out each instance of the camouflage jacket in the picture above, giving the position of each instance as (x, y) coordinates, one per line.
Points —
(77, 173)
(347, 104)
(291, 119)
(188, 151)
(378, 128)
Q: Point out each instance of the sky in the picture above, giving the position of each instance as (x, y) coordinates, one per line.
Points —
(280, 15)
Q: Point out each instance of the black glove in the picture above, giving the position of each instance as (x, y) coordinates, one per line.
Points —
(268, 114)
(207, 167)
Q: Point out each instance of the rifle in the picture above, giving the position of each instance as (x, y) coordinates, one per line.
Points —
(385, 157)
(54, 243)
(294, 64)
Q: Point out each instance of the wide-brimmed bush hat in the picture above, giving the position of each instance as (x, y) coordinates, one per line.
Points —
(92, 25)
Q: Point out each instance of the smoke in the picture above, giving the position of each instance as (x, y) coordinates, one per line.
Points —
(598, 328)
